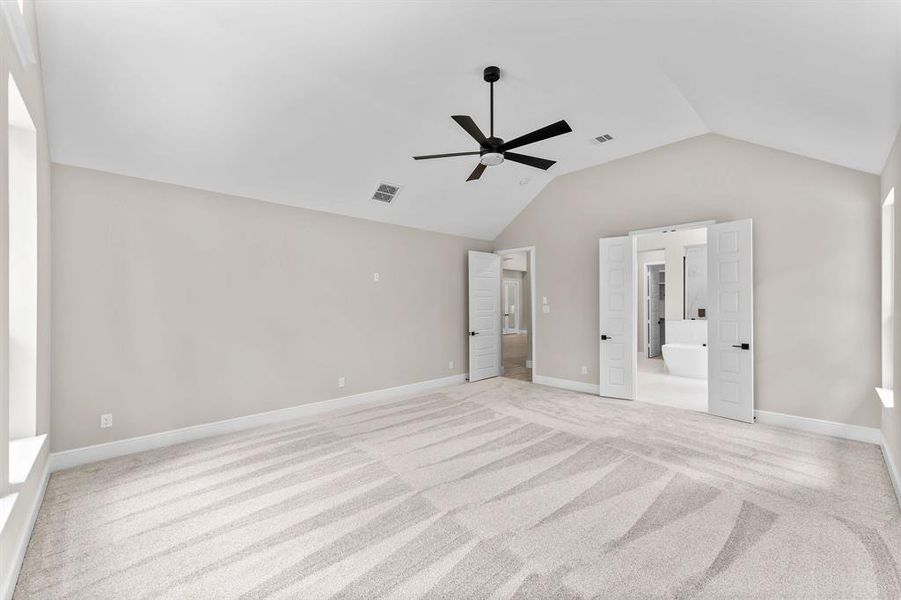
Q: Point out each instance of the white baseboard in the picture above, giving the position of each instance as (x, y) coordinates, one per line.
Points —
(89, 454)
(858, 433)
(892, 469)
(8, 580)
(567, 384)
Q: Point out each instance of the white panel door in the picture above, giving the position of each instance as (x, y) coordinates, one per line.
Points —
(484, 315)
(617, 318)
(730, 321)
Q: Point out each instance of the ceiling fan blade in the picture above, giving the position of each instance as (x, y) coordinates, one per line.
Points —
(428, 156)
(552, 130)
(532, 161)
(477, 172)
(470, 126)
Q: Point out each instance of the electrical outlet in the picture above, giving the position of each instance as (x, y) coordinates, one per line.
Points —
(584, 370)
(375, 276)
(546, 309)
(106, 421)
(450, 364)
(340, 382)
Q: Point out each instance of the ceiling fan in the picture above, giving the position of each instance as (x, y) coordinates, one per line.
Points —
(493, 150)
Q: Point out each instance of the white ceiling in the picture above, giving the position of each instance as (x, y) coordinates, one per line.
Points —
(312, 104)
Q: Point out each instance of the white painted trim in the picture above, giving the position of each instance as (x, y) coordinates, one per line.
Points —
(887, 397)
(18, 31)
(567, 384)
(858, 433)
(892, 471)
(89, 454)
(8, 580)
(693, 225)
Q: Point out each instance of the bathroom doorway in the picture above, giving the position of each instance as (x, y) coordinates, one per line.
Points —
(672, 351)
(676, 305)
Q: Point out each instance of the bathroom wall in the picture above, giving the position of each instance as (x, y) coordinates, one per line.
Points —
(695, 281)
(673, 245)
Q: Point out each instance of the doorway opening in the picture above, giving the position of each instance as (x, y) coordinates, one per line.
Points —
(517, 297)
(676, 315)
(671, 271)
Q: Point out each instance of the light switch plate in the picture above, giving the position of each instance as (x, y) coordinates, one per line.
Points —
(375, 276)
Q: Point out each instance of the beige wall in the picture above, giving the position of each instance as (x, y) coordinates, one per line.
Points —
(891, 417)
(816, 263)
(178, 307)
(28, 80)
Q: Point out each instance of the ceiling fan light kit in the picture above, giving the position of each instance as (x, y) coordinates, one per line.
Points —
(493, 150)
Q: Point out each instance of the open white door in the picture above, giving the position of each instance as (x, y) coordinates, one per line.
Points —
(730, 321)
(617, 318)
(484, 315)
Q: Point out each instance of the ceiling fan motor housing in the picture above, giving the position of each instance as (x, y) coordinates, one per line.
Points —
(492, 144)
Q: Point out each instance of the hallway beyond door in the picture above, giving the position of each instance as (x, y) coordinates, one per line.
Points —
(515, 354)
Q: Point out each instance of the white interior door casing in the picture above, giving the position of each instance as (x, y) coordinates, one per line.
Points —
(730, 320)
(618, 359)
(484, 315)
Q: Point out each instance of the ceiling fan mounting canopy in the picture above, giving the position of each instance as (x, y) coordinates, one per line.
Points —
(493, 150)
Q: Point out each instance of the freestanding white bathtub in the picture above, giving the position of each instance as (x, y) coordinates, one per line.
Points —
(686, 360)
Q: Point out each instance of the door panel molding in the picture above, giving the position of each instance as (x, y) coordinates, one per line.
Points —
(617, 317)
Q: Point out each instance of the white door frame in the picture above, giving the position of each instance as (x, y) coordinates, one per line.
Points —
(644, 306)
(533, 294)
(694, 225)
(517, 303)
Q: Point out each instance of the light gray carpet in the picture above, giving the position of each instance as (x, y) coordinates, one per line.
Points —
(497, 489)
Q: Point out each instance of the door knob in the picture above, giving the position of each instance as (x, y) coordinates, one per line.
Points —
(742, 346)
(473, 333)
(604, 336)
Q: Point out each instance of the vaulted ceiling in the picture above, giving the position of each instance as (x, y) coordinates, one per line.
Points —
(313, 103)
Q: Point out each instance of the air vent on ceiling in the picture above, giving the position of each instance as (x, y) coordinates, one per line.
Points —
(386, 192)
(604, 138)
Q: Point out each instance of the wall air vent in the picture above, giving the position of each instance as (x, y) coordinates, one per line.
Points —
(604, 138)
(386, 192)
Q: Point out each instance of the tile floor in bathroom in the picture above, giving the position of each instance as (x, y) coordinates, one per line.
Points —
(657, 386)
